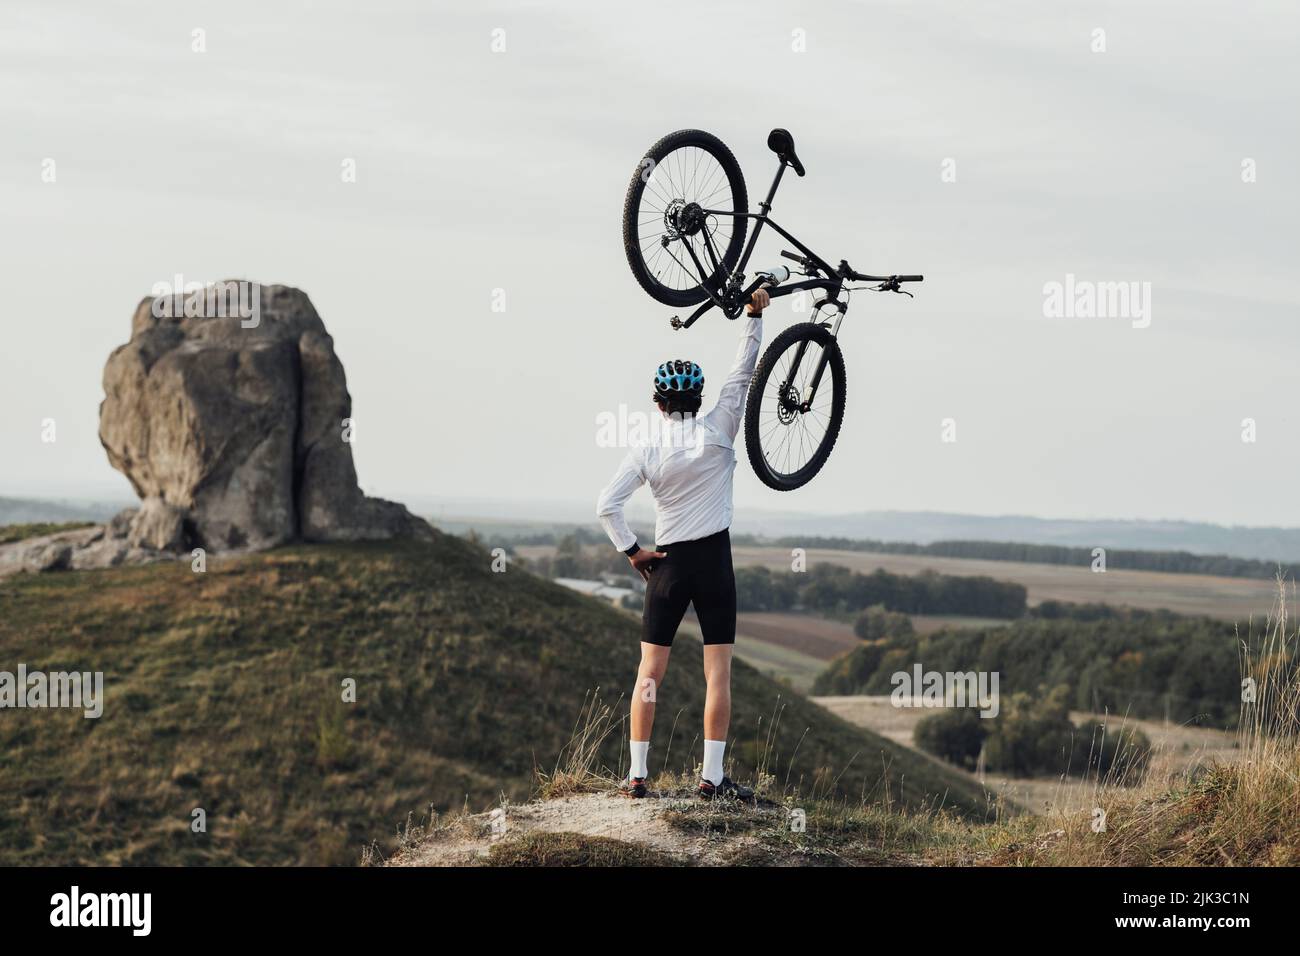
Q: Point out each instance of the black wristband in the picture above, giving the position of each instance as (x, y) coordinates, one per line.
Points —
(632, 550)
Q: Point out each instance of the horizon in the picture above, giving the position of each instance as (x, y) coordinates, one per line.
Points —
(108, 494)
(1092, 168)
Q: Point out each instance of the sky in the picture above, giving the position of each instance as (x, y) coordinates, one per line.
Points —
(493, 144)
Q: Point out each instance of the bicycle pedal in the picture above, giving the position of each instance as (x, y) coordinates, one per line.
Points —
(675, 322)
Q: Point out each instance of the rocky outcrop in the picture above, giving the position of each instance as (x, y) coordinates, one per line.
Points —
(232, 426)
(102, 546)
(233, 429)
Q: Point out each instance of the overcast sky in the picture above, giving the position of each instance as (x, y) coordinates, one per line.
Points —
(481, 170)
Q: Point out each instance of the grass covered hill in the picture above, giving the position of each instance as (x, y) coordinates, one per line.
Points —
(223, 691)
(1242, 811)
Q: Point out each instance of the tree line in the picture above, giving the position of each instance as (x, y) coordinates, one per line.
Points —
(1174, 562)
(836, 590)
(1033, 736)
(1131, 559)
(1141, 663)
(827, 589)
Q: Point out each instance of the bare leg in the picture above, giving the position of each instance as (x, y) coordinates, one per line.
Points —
(717, 698)
(654, 662)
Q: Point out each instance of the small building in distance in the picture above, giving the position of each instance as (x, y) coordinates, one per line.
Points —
(599, 589)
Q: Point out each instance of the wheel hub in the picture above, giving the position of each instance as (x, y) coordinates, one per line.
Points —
(789, 406)
(683, 219)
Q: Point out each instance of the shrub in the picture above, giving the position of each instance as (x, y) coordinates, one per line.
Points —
(876, 623)
(1118, 754)
(954, 734)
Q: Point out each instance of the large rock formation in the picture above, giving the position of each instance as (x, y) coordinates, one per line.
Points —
(233, 430)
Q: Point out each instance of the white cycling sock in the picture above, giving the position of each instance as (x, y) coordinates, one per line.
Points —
(640, 755)
(713, 761)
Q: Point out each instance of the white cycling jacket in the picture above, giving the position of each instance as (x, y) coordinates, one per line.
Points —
(689, 465)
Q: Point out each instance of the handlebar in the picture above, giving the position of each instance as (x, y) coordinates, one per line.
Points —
(845, 271)
(775, 279)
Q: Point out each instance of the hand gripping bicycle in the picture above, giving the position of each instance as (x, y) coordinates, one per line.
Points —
(684, 224)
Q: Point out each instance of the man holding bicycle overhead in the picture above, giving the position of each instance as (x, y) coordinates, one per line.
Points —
(690, 473)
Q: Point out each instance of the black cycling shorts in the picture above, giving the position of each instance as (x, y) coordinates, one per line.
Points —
(695, 572)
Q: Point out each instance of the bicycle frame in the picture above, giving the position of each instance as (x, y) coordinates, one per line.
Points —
(731, 299)
(832, 282)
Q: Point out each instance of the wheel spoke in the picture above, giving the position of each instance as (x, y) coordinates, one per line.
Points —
(790, 440)
(687, 174)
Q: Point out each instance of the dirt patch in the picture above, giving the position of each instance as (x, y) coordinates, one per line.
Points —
(652, 823)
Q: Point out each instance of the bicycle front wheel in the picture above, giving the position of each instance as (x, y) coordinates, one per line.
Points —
(789, 429)
(684, 173)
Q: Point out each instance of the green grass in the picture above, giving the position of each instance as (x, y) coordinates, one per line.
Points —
(574, 849)
(10, 533)
(223, 692)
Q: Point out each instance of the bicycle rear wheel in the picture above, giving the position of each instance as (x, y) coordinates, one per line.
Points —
(787, 436)
(683, 173)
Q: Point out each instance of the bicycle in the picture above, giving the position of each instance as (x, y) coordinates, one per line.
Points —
(689, 187)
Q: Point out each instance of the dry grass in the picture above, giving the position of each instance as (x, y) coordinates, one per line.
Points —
(1213, 814)
(578, 767)
(1243, 814)
(575, 849)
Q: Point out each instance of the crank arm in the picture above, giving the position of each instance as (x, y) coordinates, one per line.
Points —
(677, 323)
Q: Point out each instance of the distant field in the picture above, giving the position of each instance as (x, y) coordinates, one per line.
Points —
(1174, 748)
(823, 639)
(795, 647)
(929, 623)
(1233, 599)
(816, 637)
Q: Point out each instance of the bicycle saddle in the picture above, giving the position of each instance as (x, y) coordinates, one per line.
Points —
(781, 142)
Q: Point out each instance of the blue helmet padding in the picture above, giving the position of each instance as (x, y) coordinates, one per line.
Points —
(679, 375)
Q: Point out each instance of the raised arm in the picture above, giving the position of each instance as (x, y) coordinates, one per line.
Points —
(726, 414)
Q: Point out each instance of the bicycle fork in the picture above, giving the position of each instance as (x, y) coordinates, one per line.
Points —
(806, 403)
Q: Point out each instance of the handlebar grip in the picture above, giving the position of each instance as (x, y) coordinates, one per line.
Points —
(911, 278)
(775, 275)
(791, 255)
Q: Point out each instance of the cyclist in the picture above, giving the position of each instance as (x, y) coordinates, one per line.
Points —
(689, 471)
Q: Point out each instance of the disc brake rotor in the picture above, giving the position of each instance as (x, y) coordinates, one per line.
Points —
(787, 408)
(671, 229)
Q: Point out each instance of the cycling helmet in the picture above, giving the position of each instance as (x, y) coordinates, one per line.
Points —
(679, 378)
